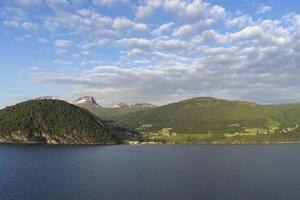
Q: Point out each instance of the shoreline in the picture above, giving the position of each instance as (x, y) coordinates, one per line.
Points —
(146, 143)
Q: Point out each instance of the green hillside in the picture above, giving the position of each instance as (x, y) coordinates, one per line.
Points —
(222, 119)
(54, 122)
(201, 115)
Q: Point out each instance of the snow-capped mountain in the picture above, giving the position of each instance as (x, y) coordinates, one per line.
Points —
(135, 106)
(116, 106)
(86, 100)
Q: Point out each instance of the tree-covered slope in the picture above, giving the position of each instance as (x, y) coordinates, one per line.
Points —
(54, 122)
(210, 115)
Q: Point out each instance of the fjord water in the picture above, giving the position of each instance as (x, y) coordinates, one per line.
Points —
(150, 172)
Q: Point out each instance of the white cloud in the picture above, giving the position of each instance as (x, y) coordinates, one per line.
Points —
(189, 11)
(86, 53)
(141, 62)
(134, 42)
(90, 23)
(172, 44)
(29, 26)
(97, 43)
(18, 18)
(257, 62)
(91, 62)
(108, 2)
(184, 30)
(192, 29)
(138, 52)
(194, 10)
(239, 21)
(266, 32)
(263, 9)
(163, 28)
(210, 36)
(85, 22)
(62, 43)
(179, 82)
(147, 8)
(218, 12)
(195, 48)
(123, 23)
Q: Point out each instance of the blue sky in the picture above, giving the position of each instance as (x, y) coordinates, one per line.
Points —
(154, 51)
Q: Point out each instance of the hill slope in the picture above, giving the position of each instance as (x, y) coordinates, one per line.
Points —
(53, 122)
(210, 115)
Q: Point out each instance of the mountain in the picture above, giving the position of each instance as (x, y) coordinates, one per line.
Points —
(87, 101)
(54, 122)
(109, 114)
(214, 116)
(134, 106)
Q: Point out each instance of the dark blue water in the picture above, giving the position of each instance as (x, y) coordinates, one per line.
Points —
(150, 172)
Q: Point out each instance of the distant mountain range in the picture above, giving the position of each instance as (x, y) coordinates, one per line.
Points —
(89, 103)
(201, 119)
(134, 106)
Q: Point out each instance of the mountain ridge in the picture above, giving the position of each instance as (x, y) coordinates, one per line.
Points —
(109, 113)
(135, 105)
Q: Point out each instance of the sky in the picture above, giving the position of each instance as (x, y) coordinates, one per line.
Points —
(154, 51)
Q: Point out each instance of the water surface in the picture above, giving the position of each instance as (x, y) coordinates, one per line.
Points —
(150, 172)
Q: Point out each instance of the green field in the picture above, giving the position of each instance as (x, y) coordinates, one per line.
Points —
(271, 134)
(184, 138)
(225, 139)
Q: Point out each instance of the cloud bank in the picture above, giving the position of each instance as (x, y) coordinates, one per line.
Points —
(200, 49)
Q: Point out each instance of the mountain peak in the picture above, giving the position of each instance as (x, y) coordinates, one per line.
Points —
(86, 100)
(137, 105)
(121, 105)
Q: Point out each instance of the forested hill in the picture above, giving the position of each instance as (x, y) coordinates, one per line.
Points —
(53, 122)
(211, 115)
